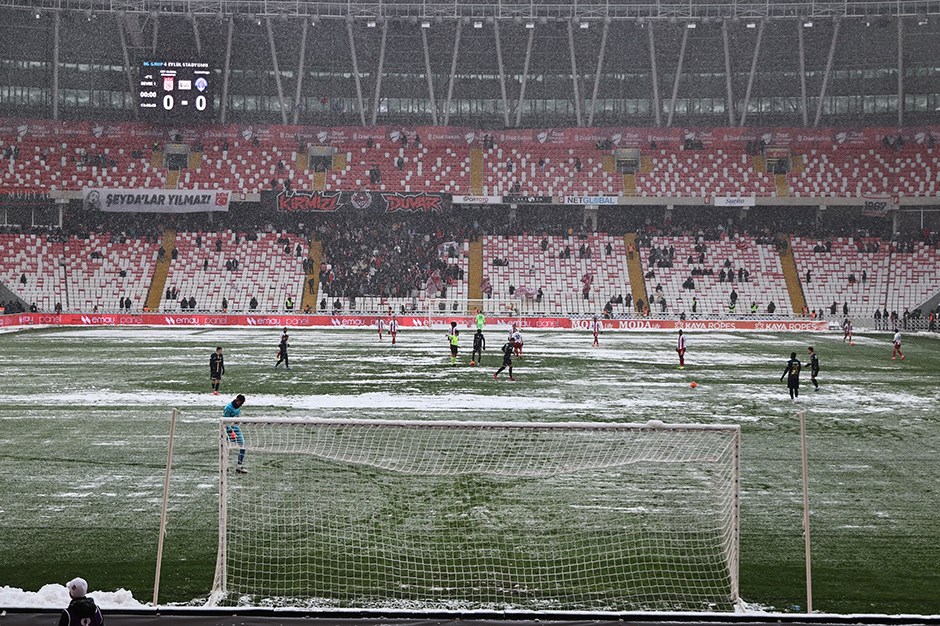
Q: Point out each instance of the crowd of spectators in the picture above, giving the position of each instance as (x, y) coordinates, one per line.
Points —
(389, 255)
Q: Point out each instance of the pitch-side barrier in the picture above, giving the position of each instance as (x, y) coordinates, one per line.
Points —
(405, 322)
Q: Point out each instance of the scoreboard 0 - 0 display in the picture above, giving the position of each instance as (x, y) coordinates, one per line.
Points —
(176, 90)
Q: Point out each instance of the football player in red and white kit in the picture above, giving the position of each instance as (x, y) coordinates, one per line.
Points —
(680, 348)
(897, 346)
(596, 325)
(380, 324)
(393, 328)
(847, 331)
(515, 338)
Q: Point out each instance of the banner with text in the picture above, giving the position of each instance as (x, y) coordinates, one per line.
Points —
(734, 201)
(380, 201)
(154, 200)
(478, 200)
(405, 322)
(12, 129)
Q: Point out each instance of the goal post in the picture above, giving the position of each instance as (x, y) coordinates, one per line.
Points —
(458, 516)
(442, 309)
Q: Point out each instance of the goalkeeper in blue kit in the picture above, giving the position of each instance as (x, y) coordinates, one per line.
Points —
(234, 432)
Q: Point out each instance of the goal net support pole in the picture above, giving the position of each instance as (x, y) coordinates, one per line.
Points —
(457, 516)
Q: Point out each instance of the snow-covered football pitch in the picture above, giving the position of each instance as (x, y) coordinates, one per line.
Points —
(84, 421)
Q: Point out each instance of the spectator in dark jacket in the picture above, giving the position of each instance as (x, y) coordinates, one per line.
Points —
(82, 610)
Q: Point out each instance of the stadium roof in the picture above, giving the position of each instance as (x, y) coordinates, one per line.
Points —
(545, 10)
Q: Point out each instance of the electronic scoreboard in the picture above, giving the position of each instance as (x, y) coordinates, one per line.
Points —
(176, 90)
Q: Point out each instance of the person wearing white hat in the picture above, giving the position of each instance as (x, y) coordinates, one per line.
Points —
(82, 610)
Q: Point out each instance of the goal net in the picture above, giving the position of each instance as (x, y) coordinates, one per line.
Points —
(445, 309)
(479, 516)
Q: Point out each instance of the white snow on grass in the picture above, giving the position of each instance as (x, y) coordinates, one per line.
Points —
(57, 596)
(375, 400)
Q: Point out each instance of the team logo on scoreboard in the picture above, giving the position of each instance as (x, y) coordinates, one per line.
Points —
(167, 83)
(201, 84)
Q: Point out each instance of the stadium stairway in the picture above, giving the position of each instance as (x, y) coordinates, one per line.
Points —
(781, 185)
(476, 172)
(635, 266)
(629, 184)
(475, 271)
(792, 276)
(302, 162)
(319, 181)
(309, 297)
(760, 164)
(172, 179)
(195, 160)
(160, 271)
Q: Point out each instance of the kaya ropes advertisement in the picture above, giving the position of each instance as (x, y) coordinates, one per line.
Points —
(154, 200)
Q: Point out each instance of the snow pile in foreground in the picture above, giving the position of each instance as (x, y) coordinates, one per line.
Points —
(57, 596)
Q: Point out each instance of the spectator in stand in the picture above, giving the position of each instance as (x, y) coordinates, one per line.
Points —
(22, 279)
(192, 303)
(845, 308)
(833, 307)
(771, 308)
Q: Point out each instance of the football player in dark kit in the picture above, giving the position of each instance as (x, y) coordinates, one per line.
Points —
(282, 351)
(813, 367)
(507, 360)
(479, 345)
(792, 374)
(216, 369)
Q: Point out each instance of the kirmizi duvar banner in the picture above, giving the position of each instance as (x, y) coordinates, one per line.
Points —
(329, 201)
(154, 200)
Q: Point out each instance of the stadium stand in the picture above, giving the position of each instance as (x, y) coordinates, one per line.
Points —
(371, 267)
(520, 263)
(268, 268)
(704, 173)
(866, 274)
(47, 163)
(765, 283)
(547, 170)
(80, 274)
